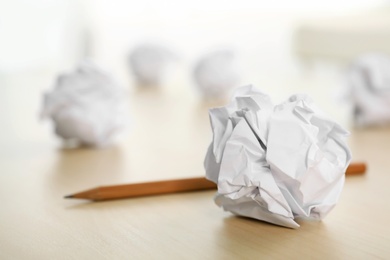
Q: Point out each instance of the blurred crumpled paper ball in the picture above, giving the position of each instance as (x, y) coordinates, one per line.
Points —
(216, 74)
(86, 106)
(149, 62)
(276, 163)
(369, 89)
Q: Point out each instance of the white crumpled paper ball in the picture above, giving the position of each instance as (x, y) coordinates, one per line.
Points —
(276, 163)
(86, 106)
(369, 89)
(216, 74)
(148, 62)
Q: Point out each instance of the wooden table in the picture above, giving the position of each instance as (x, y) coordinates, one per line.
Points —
(164, 142)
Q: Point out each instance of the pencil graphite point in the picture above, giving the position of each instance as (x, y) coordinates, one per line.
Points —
(68, 197)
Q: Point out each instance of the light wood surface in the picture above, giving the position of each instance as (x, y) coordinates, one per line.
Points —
(164, 143)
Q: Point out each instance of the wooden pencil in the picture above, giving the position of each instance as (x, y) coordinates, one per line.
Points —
(165, 187)
(144, 189)
(357, 168)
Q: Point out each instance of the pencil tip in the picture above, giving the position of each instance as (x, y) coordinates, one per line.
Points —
(68, 197)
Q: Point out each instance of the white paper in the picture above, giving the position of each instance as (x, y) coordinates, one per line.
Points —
(369, 89)
(86, 106)
(148, 63)
(276, 163)
(216, 74)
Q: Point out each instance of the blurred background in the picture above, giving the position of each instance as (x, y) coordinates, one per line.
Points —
(282, 47)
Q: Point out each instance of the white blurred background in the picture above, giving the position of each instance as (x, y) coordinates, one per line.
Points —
(283, 47)
(54, 35)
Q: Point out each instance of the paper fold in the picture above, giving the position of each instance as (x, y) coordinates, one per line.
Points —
(276, 163)
(368, 81)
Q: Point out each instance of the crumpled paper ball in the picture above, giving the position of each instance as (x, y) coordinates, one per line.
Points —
(369, 89)
(148, 63)
(86, 106)
(276, 163)
(216, 74)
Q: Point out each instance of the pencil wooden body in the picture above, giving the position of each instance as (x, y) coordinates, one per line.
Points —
(146, 189)
(165, 187)
(356, 169)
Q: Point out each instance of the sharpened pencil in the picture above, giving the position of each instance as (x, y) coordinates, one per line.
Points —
(165, 187)
(144, 189)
